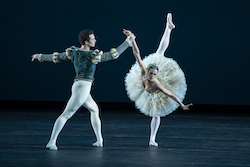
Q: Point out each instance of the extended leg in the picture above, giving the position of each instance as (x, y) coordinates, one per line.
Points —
(165, 40)
(80, 92)
(91, 105)
(155, 124)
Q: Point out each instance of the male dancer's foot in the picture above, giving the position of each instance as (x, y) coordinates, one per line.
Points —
(170, 21)
(98, 144)
(51, 146)
(153, 143)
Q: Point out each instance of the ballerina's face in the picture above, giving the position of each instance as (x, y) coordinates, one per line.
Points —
(151, 74)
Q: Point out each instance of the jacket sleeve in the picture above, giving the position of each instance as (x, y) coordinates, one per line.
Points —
(114, 53)
(55, 57)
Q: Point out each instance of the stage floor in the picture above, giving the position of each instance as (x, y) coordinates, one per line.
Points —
(185, 139)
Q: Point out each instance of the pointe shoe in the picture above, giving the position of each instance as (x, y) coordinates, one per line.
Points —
(153, 143)
(98, 144)
(51, 147)
(170, 21)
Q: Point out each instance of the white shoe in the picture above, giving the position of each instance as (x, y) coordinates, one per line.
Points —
(51, 146)
(98, 144)
(170, 21)
(153, 143)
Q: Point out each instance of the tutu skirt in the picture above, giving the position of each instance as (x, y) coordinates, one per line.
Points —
(156, 104)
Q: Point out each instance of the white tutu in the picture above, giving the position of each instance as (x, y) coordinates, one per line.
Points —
(170, 76)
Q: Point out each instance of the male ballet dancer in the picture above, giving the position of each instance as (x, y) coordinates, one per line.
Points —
(84, 60)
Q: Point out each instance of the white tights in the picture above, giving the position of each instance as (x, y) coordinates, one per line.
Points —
(165, 39)
(154, 126)
(80, 96)
(164, 43)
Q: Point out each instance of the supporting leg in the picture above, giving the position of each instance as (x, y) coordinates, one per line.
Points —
(154, 125)
(80, 92)
(91, 105)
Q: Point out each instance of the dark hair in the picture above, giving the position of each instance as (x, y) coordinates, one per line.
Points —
(153, 66)
(84, 36)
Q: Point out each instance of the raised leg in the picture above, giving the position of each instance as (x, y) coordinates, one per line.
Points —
(80, 92)
(154, 125)
(91, 105)
(165, 40)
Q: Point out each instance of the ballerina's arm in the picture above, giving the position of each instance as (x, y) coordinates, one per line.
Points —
(136, 50)
(171, 95)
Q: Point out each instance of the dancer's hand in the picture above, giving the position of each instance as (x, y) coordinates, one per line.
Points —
(129, 35)
(34, 57)
(127, 32)
(186, 107)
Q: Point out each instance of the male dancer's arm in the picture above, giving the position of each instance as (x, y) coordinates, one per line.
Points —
(55, 57)
(114, 53)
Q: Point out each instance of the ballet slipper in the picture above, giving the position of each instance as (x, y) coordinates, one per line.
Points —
(98, 144)
(153, 143)
(51, 146)
(170, 21)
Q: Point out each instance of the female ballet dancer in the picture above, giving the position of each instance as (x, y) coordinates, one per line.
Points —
(156, 84)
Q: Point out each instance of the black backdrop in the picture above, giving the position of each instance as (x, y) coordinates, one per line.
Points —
(210, 42)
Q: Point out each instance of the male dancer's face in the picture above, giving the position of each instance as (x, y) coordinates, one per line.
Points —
(92, 41)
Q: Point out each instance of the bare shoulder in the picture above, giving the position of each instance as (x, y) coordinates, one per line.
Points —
(156, 82)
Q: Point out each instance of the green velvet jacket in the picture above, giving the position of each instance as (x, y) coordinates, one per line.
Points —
(85, 61)
(82, 61)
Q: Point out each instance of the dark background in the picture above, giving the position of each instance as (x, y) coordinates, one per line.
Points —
(210, 42)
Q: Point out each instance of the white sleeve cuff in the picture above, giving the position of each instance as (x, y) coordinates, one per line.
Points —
(114, 53)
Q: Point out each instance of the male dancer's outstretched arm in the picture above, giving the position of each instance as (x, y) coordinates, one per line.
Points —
(114, 53)
(55, 57)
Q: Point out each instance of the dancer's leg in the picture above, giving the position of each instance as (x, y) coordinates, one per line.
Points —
(80, 92)
(165, 40)
(154, 125)
(91, 105)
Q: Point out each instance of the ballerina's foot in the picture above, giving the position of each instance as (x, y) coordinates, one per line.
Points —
(51, 147)
(98, 144)
(170, 21)
(153, 143)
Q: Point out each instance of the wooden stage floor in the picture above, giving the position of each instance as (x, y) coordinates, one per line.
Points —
(185, 139)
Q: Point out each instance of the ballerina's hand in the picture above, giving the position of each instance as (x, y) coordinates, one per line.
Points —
(186, 107)
(129, 35)
(127, 32)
